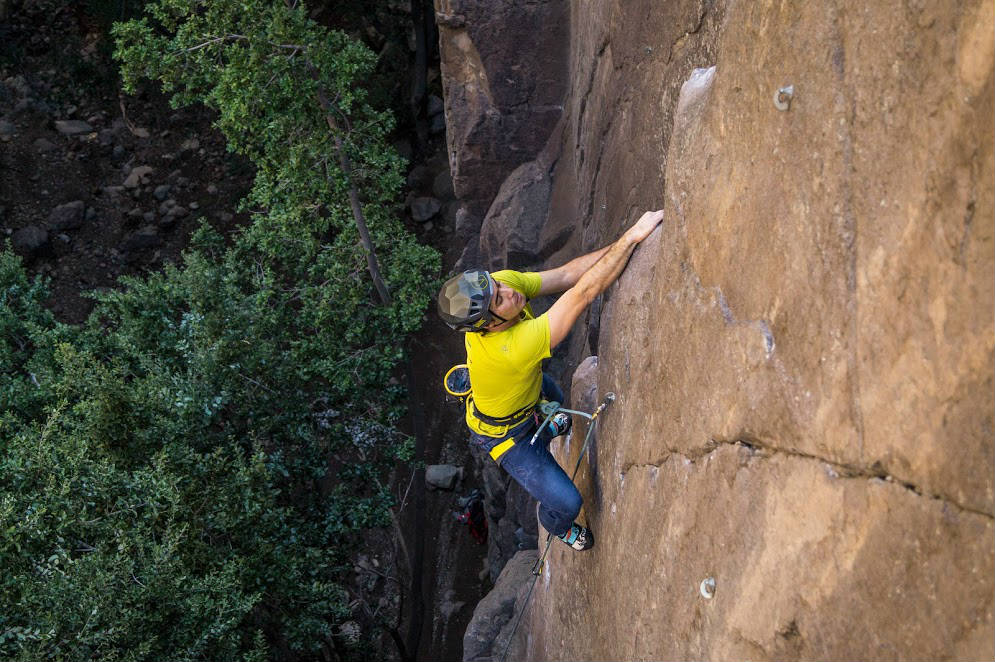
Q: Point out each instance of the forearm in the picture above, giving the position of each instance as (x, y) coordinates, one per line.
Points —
(598, 277)
(607, 268)
(578, 266)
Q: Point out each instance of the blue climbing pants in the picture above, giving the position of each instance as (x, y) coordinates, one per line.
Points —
(534, 468)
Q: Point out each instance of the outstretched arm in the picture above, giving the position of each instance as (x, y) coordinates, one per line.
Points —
(597, 277)
(564, 277)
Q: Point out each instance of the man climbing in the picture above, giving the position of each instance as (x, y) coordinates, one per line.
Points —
(505, 346)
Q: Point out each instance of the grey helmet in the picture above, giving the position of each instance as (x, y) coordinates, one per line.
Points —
(465, 299)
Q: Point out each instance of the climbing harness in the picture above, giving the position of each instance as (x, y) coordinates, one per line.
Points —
(550, 409)
(457, 385)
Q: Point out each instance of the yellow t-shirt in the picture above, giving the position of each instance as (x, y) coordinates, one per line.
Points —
(505, 367)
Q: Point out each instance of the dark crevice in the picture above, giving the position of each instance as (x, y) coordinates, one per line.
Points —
(702, 13)
(587, 92)
(848, 229)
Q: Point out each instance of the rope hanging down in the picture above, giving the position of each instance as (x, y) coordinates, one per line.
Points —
(551, 408)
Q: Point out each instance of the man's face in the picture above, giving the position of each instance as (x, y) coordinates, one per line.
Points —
(506, 302)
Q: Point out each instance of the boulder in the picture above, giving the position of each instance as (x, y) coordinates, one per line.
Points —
(508, 507)
(467, 224)
(510, 233)
(67, 217)
(442, 185)
(437, 124)
(43, 145)
(420, 178)
(30, 240)
(178, 211)
(449, 212)
(504, 75)
(435, 105)
(138, 176)
(443, 476)
(422, 209)
(146, 237)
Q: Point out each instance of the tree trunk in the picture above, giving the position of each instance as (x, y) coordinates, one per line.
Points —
(357, 209)
(344, 163)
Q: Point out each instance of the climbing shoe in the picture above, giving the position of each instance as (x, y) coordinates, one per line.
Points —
(560, 423)
(579, 537)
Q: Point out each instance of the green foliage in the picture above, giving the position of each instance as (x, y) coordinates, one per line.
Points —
(184, 476)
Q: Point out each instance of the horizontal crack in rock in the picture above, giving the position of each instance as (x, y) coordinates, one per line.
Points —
(760, 449)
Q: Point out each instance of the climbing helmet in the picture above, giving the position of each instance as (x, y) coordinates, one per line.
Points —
(465, 299)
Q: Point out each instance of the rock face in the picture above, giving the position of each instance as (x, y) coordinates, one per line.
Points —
(803, 353)
(495, 616)
(504, 74)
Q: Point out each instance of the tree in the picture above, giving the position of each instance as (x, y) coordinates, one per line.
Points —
(186, 475)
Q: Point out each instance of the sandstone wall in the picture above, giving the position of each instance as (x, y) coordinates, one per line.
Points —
(803, 354)
(504, 74)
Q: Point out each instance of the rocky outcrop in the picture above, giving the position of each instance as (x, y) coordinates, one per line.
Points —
(504, 75)
(803, 356)
(803, 353)
(495, 617)
(509, 235)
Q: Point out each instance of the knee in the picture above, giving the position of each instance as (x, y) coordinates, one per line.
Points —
(568, 501)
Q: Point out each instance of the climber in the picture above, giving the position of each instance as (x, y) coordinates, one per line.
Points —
(505, 346)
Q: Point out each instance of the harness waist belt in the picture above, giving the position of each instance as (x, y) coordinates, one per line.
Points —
(510, 420)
